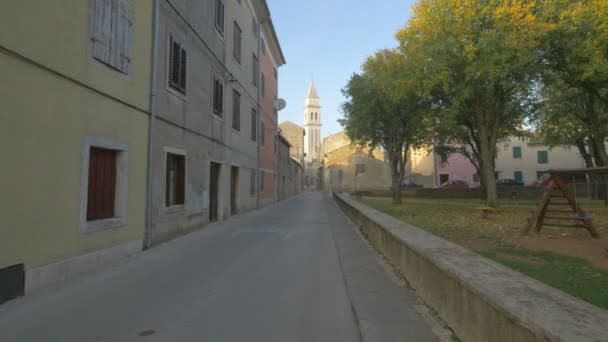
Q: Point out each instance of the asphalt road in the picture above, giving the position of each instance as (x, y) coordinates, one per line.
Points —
(295, 271)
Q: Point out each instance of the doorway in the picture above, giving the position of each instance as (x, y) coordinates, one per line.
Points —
(214, 187)
(234, 185)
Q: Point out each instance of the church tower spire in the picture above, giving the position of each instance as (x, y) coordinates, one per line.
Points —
(312, 124)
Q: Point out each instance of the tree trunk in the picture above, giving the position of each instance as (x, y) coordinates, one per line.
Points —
(582, 148)
(396, 177)
(487, 167)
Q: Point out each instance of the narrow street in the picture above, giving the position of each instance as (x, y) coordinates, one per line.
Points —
(291, 272)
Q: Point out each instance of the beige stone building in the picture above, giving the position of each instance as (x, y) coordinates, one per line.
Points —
(289, 172)
(295, 136)
(347, 167)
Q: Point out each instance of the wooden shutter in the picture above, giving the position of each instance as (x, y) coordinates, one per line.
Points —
(183, 70)
(236, 48)
(101, 184)
(178, 64)
(102, 30)
(255, 70)
(236, 110)
(219, 15)
(124, 36)
(254, 125)
(218, 96)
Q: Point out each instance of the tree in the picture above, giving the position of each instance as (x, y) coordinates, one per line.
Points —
(479, 61)
(384, 110)
(575, 101)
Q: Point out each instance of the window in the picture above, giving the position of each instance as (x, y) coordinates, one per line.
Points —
(254, 125)
(219, 16)
(518, 176)
(236, 110)
(175, 180)
(543, 157)
(263, 86)
(255, 66)
(252, 183)
(262, 181)
(236, 48)
(112, 30)
(218, 96)
(311, 114)
(517, 152)
(254, 27)
(263, 46)
(359, 168)
(178, 66)
(102, 184)
(262, 134)
(316, 116)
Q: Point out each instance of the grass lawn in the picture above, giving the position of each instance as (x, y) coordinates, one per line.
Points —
(565, 258)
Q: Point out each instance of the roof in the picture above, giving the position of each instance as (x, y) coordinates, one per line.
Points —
(355, 150)
(312, 91)
(289, 123)
(261, 6)
(284, 140)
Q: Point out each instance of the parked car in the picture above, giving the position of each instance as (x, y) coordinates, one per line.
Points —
(405, 184)
(408, 184)
(544, 180)
(509, 182)
(454, 184)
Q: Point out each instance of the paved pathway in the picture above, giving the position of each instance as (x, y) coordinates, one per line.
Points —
(285, 273)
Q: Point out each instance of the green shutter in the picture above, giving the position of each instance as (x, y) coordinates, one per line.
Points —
(543, 157)
(516, 152)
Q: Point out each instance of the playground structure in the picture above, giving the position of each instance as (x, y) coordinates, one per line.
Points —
(557, 201)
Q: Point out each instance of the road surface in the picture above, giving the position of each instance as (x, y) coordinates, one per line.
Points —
(295, 271)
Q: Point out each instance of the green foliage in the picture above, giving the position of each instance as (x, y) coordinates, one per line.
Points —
(477, 61)
(575, 80)
(384, 110)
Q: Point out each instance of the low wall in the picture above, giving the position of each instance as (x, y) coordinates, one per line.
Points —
(478, 298)
(520, 192)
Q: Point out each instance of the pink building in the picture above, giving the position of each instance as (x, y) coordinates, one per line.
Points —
(457, 167)
(271, 58)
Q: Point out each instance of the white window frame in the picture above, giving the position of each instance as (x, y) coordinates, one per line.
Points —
(122, 186)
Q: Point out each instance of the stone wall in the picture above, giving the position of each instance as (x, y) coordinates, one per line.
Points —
(478, 298)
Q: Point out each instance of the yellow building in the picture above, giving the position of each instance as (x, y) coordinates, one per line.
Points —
(348, 167)
(74, 89)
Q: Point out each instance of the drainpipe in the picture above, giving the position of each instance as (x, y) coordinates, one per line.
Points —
(151, 126)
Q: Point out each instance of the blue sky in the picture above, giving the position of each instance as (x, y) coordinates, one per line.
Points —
(328, 40)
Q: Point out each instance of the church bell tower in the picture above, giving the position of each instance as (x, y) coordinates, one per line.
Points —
(312, 124)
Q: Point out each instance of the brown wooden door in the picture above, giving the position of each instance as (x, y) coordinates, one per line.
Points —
(214, 180)
(234, 185)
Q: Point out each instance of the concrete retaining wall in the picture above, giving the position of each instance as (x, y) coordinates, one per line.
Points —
(480, 299)
(520, 192)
